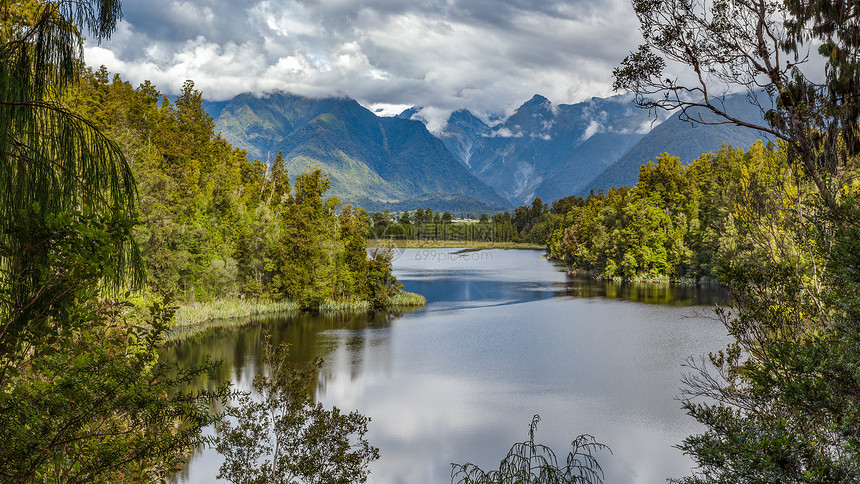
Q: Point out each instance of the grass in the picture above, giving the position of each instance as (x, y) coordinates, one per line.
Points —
(406, 299)
(195, 318)
(449, 244)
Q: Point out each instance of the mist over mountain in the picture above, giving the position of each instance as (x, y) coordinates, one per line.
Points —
(374, 162)
(541, 150)
(551, 151)
(544, 150)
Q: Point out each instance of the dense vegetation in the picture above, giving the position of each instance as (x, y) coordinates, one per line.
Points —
(95, 197)
(680, 223)
(781, 404)
(529, 223)
(213, 224)
(83, 397)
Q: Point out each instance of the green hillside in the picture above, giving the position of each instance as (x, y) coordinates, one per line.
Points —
(372, 161)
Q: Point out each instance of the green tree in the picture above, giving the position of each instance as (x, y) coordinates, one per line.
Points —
(381, 219)
(82, 394)
(53, 159)
(381, 283)
(281, 436)
(447, 218)
(303, 255)
(353, 223)
(528, 462)
(782, 406)
(405, 219)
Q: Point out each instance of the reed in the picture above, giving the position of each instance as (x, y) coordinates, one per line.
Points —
(406, 299)
(193, 319)
(344, 306)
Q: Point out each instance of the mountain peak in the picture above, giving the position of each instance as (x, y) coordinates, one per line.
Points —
(537, 104)
(408, 113)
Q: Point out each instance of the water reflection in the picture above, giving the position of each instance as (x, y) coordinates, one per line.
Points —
(505, 334)
(238, 351)
(647, 292)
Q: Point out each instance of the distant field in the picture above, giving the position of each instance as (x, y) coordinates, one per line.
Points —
(449, 244)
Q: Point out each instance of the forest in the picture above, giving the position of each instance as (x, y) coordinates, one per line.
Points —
(531, 224)
(214, 225)
(108, 190)
(682, 223)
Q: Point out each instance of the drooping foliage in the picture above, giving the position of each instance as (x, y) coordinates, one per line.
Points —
(536, 463)
(83, 397)
(53, 159)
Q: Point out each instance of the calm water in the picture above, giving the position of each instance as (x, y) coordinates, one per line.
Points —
(504, 335)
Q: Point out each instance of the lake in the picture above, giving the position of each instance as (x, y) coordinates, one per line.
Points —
(505, 335)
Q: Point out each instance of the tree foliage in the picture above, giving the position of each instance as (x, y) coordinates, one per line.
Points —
(528, 462)
(685, 222)
(215, 224)
(84, 397)
(781, 403)
(54, 159)
(280, 435)
(758, 45)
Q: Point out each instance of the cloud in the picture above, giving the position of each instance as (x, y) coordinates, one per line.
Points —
(503, 132)
(593, 128)
(487, 56)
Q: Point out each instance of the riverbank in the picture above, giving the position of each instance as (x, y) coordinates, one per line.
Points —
(647, 279)
(449, 244)
(195, 318)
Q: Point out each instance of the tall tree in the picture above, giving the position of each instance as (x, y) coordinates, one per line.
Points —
(758, 45)
(783, 405)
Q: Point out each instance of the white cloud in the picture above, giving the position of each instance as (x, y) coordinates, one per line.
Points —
(503, 132)
(487, 57)
(593, 128)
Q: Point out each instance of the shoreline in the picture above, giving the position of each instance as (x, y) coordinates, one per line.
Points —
(196, 318)
(662, 279)
(449, 244)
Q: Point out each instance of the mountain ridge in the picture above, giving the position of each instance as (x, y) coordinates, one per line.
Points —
(372, 161)
(541, 150)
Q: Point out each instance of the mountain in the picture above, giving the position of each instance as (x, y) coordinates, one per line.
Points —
(684, 140)
(544, 150)
(374, 162)
(551, 151)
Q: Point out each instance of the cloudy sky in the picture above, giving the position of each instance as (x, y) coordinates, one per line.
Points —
(488, 56)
